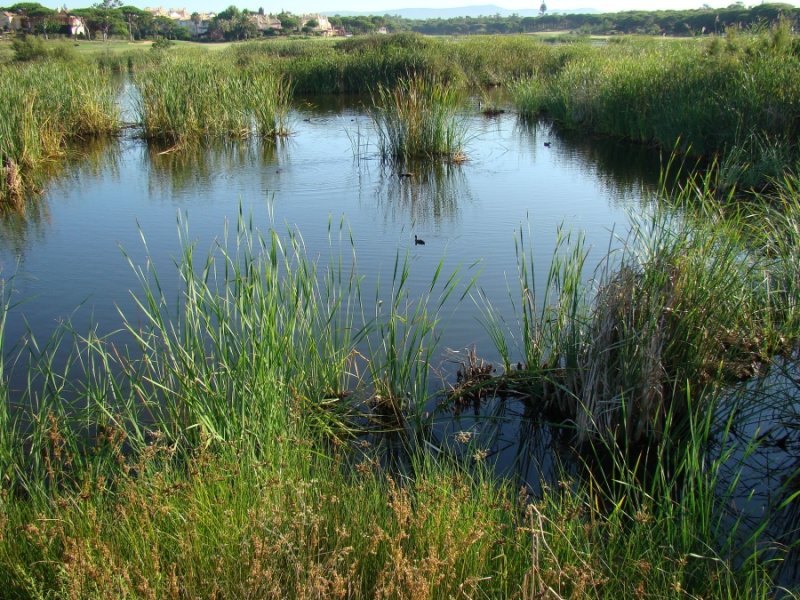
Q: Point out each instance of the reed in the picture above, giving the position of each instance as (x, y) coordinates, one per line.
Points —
(216, 456)
(418, 119)
(731, 104)
(43, 107)
(192, 98)
(687, 302)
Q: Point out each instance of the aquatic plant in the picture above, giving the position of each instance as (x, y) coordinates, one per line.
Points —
(216, 458)
(740, 104)
(43, 106)
(191, 98)
(417, 119)
(684, 304)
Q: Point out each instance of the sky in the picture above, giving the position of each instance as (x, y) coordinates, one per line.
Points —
(331, 7)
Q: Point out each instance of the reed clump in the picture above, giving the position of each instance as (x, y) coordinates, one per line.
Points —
(699, 98)
(43, 107)
(418, 119)
(686, 304)
(192, 98)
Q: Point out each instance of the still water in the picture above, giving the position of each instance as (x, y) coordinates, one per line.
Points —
(66, 253)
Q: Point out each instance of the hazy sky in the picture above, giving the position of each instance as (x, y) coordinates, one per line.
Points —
(330, 7)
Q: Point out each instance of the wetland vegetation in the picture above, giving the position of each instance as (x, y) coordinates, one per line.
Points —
(235, 445)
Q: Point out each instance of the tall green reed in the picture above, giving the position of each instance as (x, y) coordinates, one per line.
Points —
(417, 119)
(190, 98)
(684, 302)
(199, 462)
(404, 343)
(735, 104)
(259, 341)
(43, 106)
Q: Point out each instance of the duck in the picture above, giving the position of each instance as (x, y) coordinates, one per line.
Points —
(418, 242)
(547, 144)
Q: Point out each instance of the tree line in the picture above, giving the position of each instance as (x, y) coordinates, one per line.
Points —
(700, 21)
(112, 18)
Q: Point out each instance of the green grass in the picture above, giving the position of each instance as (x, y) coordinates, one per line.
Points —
(233, 447)
(189, 98)
(44, 106)
(735, 100)
(418, 119)
(694, 299)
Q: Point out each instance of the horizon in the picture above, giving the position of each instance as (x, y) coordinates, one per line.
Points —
(381, 7)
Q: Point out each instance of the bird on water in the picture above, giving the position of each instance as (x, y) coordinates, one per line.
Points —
(418, 242)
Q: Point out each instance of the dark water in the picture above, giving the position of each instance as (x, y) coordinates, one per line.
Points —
(65, 254)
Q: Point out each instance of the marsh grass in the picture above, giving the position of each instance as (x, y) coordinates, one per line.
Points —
(299, 522)
(404, 345)
(418, 119)
(217, 456)
(211, 448)
(735, 104)
(689, 301)
(43, 106)
(188, 99)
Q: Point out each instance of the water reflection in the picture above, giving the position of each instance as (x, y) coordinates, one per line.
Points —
(427, 193)
(20, 227)
(763, 469)
(24, 224)
(625, 169)
(198, 167)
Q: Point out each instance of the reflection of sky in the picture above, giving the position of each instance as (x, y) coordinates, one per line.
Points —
(67, 251)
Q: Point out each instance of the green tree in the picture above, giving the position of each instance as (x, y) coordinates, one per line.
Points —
(289, 22)
(107, 16)
(133, 17)
(34, 16)
(197, 20)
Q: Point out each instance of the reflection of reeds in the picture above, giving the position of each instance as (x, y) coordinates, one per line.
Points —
(417, 119)
(198, 164)
(427, 192)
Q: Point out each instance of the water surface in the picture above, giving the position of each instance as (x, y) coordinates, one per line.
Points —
(67, 251)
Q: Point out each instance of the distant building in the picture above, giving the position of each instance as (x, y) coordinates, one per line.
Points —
(74, 25)
(184, 18)
(10, 21)
(265, 22)
(323, 26)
